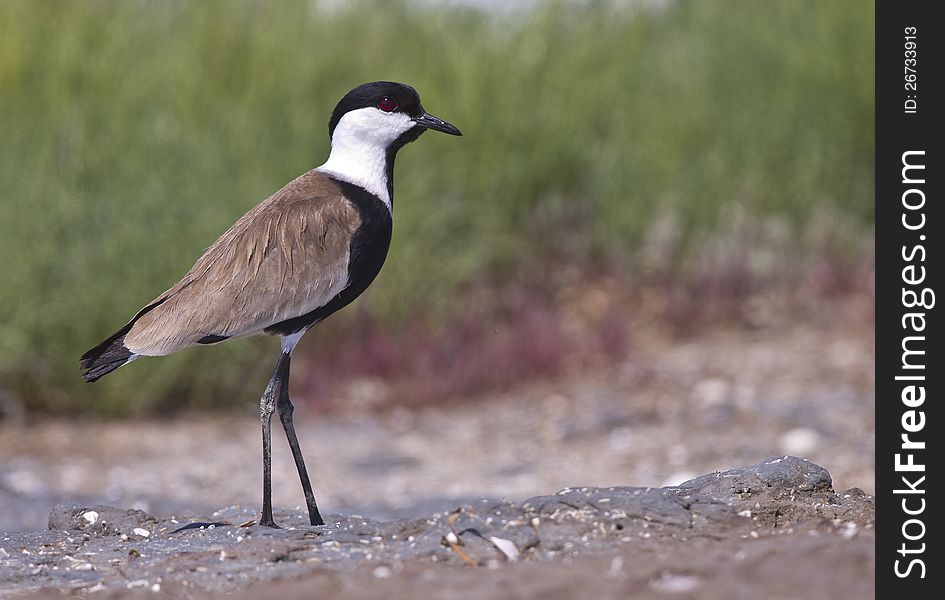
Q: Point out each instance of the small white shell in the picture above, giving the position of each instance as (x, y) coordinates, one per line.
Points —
(506, 547)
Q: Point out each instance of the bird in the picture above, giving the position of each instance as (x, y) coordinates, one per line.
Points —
(290, 262)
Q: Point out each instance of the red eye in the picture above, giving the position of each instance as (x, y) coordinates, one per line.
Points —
(387, 105)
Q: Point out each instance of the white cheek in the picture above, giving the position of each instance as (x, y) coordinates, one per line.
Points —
(359, 148)
(372, 126)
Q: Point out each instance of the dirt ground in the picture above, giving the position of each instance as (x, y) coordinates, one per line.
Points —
(755, 530)
(673, 411)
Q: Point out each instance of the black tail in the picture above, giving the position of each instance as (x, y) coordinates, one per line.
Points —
(111, 354)
(107, 356)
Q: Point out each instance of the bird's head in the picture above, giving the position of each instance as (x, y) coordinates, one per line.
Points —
(382, 114)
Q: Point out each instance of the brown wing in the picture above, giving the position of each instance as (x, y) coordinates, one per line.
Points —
(284, 258)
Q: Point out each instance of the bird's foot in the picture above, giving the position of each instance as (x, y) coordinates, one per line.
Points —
(267, 521)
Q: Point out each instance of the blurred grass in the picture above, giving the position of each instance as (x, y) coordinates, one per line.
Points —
(133, 133)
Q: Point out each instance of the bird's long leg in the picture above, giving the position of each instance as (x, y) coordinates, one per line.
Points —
(286, 409)
(267, 404)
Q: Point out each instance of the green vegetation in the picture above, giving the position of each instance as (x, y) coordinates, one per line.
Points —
(133, 133)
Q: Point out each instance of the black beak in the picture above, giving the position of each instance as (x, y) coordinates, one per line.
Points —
(428, 121)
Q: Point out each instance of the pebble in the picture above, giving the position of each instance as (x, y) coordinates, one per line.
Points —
(800, 441)
(616, 566)
(849, 531)
(382, 572)
(672, 583)
(711, 391)
(506, 547)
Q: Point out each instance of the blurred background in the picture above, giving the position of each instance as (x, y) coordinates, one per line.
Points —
(649, 256)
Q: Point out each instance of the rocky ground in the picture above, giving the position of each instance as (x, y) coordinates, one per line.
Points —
(777, 528)
(673, 411)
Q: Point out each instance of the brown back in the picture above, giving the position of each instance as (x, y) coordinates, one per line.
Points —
(284, 258)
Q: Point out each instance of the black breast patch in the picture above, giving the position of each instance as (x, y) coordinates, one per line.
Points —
(367, 253)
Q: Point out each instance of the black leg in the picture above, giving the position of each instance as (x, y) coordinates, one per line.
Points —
(266, 408)
(285, 415)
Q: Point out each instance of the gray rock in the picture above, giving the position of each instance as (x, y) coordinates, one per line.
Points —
(99, 520)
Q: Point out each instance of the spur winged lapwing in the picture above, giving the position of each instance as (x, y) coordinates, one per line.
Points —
(297, 257)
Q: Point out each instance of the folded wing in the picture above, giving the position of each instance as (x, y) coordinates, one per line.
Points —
(284, 258)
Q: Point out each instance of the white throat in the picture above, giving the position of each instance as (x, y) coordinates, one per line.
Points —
(359, 149)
